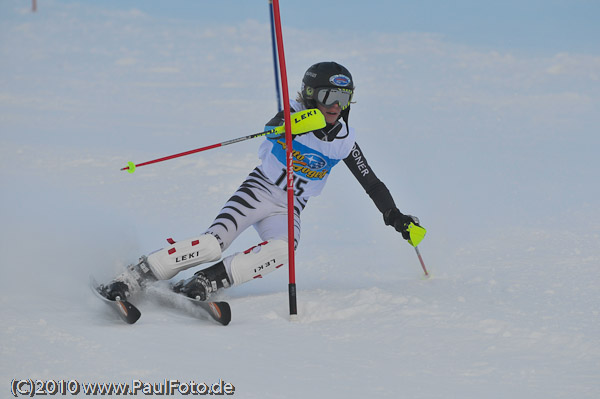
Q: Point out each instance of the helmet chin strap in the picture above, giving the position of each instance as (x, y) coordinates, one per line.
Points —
(346, 115)
(330, 132)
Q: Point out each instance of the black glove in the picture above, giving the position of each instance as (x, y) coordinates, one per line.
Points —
(400, 221)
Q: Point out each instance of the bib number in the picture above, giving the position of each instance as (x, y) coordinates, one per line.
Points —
(298, 183)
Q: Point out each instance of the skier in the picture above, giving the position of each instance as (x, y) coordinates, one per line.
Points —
(261, 200)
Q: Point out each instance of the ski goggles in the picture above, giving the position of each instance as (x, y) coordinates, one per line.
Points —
(327, 96)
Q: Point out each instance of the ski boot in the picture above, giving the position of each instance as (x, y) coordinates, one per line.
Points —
(133, 280)
(204, 283)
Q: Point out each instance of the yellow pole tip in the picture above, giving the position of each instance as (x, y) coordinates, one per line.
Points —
(131, 167)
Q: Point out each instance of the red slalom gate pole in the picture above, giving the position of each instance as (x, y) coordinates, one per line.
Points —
(290, 172)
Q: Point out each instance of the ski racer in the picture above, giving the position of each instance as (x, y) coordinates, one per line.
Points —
(261, 200)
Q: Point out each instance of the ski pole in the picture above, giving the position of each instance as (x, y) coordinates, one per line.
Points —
(421, 260)
(301, 122)
(417, 233)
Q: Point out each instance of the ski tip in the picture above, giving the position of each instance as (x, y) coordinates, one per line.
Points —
(125, 309)
(221, 312)
(130, 313)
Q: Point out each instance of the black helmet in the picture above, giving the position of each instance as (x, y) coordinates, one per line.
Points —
(326, 75)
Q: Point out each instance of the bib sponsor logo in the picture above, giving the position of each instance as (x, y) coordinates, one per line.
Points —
(314, 161)
(310, 165)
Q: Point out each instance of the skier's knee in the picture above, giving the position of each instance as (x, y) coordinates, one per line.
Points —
(184, 254)
(257, 261)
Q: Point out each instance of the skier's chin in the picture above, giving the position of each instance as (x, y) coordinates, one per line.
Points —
(331, 117)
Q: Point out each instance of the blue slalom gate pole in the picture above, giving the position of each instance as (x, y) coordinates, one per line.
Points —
(275, 64)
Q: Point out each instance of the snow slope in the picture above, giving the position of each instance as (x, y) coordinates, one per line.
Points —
(513, 315)
(503, 179)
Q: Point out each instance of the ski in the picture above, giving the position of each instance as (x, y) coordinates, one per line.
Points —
(125, 309)
(219, 311)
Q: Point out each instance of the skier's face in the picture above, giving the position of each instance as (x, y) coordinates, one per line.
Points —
(331, 113)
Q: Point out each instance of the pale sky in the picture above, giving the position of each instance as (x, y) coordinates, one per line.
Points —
(532, 25)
